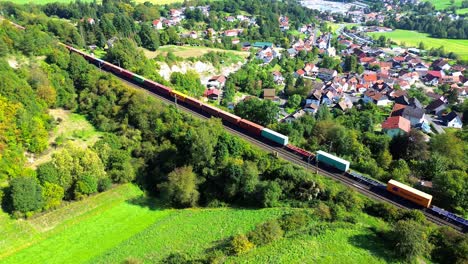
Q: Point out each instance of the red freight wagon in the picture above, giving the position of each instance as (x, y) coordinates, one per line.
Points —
(193, 102)
(210, 110)
(233, 119)
(126, 74)
(163, 89)
(251, 127)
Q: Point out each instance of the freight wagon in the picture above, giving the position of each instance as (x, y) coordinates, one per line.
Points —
(409, 193)
(332, 161)
(251, 127)
(275, 136)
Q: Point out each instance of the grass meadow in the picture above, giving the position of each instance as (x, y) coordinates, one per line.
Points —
(121, 224)
(413, 38)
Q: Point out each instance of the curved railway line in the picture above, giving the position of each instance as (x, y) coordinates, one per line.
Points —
(285, 154)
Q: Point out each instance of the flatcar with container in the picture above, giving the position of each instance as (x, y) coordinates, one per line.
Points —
(409, 193)
(332, 161)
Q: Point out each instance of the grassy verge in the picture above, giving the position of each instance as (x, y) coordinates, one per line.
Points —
(413, 38)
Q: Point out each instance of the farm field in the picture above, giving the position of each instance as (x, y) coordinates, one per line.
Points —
(122, 224)
(413, 38)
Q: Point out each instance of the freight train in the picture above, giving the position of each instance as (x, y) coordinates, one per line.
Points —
(321, 157)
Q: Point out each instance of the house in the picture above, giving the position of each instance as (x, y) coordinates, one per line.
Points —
(404, 100)
(292, 52)
(376, 98)
(441, 65)
(269, 94)
(193, 35)
(235, 41)
(370, 77)
(326, 74)
(212, 94)
(231, 33)
(230, 19)
(413, 114)
(311, 108)
(278, 77)
(436, 107)
(453, 120)
(157, 24)
(217, 81)
(311, 69)
(175, 12)
(299, 73)
(396, 125)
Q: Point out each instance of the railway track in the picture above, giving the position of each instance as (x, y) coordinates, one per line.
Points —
(283, 153)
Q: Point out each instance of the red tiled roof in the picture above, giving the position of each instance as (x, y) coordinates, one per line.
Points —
(212, 92)
(300, 72)
(399, 59)
(395, 122)
(437, 74)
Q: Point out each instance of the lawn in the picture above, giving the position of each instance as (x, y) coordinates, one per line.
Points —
(122, 224)
(413, 38)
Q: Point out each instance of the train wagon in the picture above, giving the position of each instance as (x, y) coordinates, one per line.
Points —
(409, 193)
(180, 96)
(275, 136)
(251, 127)
(193, 102)
(137, 78)
(231, 118)
(332, 160)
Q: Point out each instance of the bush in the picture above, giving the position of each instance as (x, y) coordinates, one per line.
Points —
(268, 193)
(26, 194)
(293, 221)
(409, 240)
(88, 184)
(323, 212)
(104, 184)
(176, 258)
(266, 233)
(53, 195)
(240, 244)
(350, 200)
(383, 210)
(449, 246)
(215, 257)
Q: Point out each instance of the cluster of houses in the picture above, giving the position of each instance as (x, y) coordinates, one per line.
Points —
(384, 83)
(176, 16)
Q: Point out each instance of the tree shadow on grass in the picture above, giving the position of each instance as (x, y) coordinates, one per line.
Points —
(375, 245)
(148, 202)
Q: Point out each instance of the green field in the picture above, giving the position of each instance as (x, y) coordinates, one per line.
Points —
(442, 4)
(121, 225)
(413, 38)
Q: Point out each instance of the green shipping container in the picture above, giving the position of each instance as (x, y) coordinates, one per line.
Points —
(333, 161)
(275, 136)
(138, 78)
